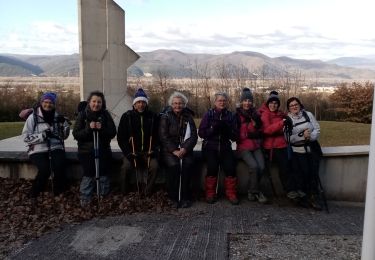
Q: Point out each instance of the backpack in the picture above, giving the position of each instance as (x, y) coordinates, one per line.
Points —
(25, 113)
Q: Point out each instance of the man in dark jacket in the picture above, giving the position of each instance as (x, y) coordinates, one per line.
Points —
(138, 139)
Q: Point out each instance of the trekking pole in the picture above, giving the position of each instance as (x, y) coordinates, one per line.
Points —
(149, 155)
(96, 154)
(52, 174)
(321, 190)
(218, 173)
(180, 184)
(135, 166)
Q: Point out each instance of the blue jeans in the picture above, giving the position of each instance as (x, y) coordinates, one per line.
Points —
(88, 185)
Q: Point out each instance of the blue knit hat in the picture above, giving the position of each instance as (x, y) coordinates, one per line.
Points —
(50, 96)
(140, 95)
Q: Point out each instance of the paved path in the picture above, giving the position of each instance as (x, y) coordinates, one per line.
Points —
(201, 232)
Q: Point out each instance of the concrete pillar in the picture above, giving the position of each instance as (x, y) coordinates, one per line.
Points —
(368, 248)
(104, 56)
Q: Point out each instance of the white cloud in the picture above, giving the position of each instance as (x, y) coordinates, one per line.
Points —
(42, 37)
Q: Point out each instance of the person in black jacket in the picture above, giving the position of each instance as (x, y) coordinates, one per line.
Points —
(138, 139)
(178, 136)
(93, 118)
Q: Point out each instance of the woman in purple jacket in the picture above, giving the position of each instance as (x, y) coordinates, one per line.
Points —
(218, 128)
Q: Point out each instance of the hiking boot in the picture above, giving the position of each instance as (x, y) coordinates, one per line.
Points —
(34, 202)
(301, 194)
(251, 196)
(210, 185)
(84, 203)
(292, 195)
(315, 203)
(261, 198)
(230, 184)
(186, 204)
(303, 202)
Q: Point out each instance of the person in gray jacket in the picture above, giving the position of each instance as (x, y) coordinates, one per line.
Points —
(44, 133)
(304, 133)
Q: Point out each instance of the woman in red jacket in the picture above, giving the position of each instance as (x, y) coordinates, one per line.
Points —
(274, 142)
(248, 144)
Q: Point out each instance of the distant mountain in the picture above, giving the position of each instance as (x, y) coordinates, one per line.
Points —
(10, 66)
(354, 62)
(178, 65)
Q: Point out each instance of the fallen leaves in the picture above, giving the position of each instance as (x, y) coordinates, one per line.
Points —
(22, 220)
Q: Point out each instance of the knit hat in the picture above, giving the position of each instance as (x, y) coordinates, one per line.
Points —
(140, 95)
(246, 94)
(50, 96)
(274, 96)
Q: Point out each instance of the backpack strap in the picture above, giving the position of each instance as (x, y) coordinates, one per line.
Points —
(306, 116)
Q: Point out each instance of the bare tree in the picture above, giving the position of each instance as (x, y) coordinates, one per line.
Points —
(162, 77)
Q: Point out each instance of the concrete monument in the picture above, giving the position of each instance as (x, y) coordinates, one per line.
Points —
(104, 56)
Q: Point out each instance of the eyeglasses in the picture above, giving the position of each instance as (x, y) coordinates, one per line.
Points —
(294, 105)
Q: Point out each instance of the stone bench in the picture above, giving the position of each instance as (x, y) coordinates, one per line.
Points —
(343, 170)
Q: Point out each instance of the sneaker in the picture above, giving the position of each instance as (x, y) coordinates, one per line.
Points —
(315, 203)
(261, 198)
(301, 194)
(84, 203)
(292, 195)
(186, 204)
(251, 197)
(303, 202)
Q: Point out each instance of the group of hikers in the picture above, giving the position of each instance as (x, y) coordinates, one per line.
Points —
(148, 140)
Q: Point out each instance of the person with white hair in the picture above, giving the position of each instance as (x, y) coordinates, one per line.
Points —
(178, 136)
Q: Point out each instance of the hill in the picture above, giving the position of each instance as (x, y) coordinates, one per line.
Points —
(361, 63)
(178, 65)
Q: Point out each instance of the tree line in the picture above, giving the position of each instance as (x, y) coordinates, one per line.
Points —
(349, 101)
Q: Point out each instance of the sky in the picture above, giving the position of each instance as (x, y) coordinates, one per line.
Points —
(302, 29)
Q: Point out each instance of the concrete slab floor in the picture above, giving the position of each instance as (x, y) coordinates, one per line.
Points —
(208, 232)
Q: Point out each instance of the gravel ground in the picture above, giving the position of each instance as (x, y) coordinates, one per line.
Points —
(263, 246)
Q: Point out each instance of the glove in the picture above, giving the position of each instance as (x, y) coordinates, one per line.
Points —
(254, 135)
(48, 134)
(150, 154)
(257, 121)
(288, 124)
(132, 156)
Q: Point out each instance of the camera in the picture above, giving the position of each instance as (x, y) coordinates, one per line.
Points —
(288, 125)
(60, 119)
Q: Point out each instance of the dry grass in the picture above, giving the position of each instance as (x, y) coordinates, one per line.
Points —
(332, 133)
(10, 129)
(344, 133)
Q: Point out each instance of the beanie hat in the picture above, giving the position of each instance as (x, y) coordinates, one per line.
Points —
(140, 95)
(274, 96)
(246, 94)
(50, 96)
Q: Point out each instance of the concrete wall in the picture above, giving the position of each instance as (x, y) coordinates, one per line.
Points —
(343, 171)
(104, 56)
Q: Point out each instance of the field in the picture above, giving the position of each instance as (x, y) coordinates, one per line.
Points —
(10, 129)
(332, 133)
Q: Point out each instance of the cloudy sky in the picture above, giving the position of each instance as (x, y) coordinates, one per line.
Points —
(305, 29)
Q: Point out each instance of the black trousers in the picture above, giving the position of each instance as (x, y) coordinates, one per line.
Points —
(57, 165)
(174, 168)
(280, 157)
(224, 159)
(305, 172)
